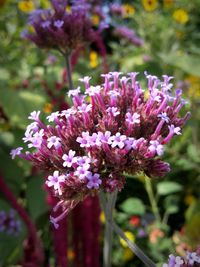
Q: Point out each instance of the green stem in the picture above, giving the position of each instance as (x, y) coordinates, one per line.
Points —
(107, 206)
(69, 71)
(152, 198)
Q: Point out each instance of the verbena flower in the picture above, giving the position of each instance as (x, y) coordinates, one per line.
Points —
(60, 29)
(191, 259)
(113, 129)
(8, 223)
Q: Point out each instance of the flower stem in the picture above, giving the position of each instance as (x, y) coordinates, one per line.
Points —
(108, 205)
(152, 198)
(69, 71)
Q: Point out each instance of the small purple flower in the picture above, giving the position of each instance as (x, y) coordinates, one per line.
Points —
(156, 147)
(93, 90)
(55, 180)
(74, 92)
(34, 115)
(37, 139)
(58, 23)
(53, 116)
(68, 112)
(46, 24)
(16, 152)
(104, 137)
(117, 140)
(84, 140)
(93, 181)
(69, 159)
(113, 110)
(84, 108)
(192, 258)
(132, 119)
(164, 117)
(175, 130)
(84, 161)
(53, 141)
(82, 172)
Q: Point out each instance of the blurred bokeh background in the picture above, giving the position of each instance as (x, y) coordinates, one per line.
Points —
(161, 216)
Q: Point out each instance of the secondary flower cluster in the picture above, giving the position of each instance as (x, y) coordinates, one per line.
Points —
(60, 29)
(191, 259)
(8, 223)
(112, 129)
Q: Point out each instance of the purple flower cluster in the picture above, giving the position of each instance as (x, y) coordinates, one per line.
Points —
(113, 129)
(129, 34)
(191, 259)
(8, 223)
(60, 29)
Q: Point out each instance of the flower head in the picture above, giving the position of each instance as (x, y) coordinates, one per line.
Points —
(90, 146)
(181, 16)
(8, 223)
(59, 29)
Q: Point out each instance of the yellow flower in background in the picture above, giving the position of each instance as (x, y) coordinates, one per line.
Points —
(102, 217)
(128, 254)
(95, 20)
(150, 5)
(128, 10)
(130, 236)
(48, 107)
(68, 9)
(93, 59)
(26, 6)
(194, 86)
(168, 3)
(181, 16)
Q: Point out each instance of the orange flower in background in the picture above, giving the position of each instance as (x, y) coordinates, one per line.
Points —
(155, 234)
(150, 5)
(26, 6)
(48, 107)
(168, 3)
(181, 16)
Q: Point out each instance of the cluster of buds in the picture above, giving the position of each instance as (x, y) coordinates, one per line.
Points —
(8, 223)
(191, 259)
(113, 129)
(60, 28)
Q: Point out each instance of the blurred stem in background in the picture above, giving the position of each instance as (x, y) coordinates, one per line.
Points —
(108, 203)
(69, 71)
(152, 199)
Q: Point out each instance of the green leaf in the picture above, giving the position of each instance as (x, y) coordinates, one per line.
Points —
(133, 206)
(167, 187)
(18, 105)
(36, 197)
(187, 63)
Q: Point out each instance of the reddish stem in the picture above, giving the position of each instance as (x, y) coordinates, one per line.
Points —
(34, 255)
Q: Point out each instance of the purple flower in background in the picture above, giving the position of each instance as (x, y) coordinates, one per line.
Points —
(116, 130)
(128, 34)
(16, 152)
(191, 259)
(8, 223)
(60, 29)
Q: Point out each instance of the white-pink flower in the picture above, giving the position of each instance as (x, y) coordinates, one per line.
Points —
(55, 180)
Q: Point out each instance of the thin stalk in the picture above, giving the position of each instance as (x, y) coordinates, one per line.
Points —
(152, 198)
(109, 220)
(108, 207)
(69, 70)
